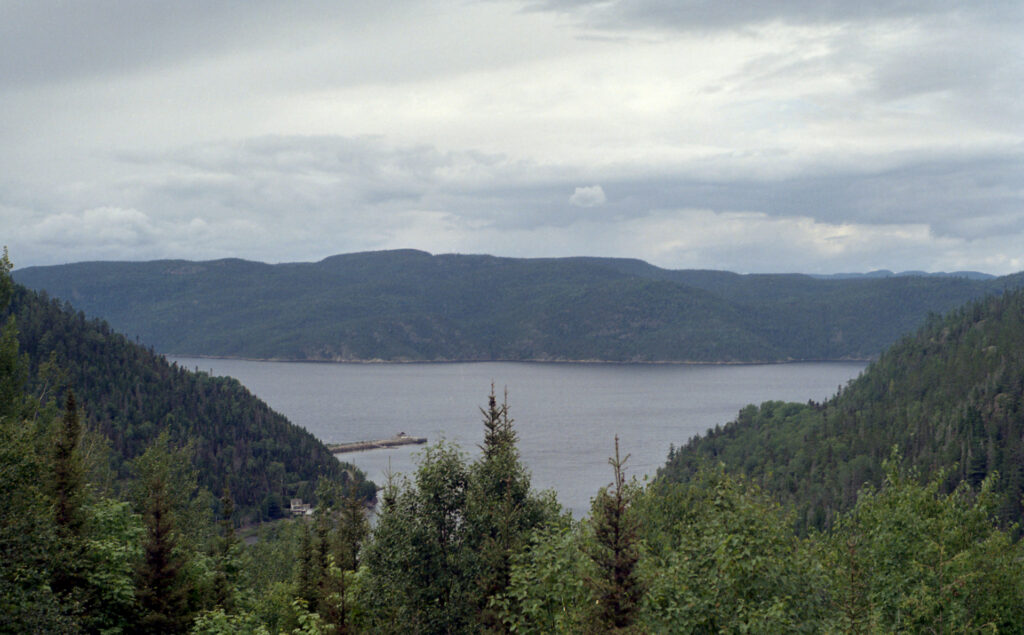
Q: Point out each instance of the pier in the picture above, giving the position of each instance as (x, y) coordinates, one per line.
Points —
(358, 446)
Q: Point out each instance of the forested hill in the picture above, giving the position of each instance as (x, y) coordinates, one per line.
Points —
(410, 305)
(130, 394)
(950, 397)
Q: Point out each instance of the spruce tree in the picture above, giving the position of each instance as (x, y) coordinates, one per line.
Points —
(502, 509)
(352, 529)
(616, 587)
(161, 588)
(167, 484)
(68, 491)
(308, 572)
(227, 556)
(13, 366)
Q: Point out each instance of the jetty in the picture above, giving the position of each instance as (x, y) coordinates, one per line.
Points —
(399, 439)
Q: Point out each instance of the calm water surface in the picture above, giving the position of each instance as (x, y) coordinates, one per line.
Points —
(566, 415)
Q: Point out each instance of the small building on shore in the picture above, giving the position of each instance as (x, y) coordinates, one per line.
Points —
(298, 508)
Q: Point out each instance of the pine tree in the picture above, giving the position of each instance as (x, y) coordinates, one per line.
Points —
(168, 483)
(353, 529)
(227, 556)
(499, 437)
(27, 535)
(68, 492)
(502, 509)
(161, 588)
(13, 366)
(616, 587)
(307, 575)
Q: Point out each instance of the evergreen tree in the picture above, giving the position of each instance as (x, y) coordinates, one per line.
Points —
(228, 553)
(501, 510)
(13, 365)
(308, 572)
(161, 589)
(440, 554)
(353, 528)
(68, 492)
(27, 537)
(616, 587)
(499, 437)
(167, 484)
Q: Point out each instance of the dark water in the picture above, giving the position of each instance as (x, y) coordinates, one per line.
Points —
(566, 415)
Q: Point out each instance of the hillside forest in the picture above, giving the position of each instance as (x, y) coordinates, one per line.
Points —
(890, 508)
(409, 305)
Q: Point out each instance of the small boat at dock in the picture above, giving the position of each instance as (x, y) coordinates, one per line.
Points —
(399, 439)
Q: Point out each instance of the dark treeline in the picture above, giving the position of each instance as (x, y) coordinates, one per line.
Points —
(468, 546)
(950, 398)
(410, 305)
(129, 395)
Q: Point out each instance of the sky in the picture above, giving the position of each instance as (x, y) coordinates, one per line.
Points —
(816, 136)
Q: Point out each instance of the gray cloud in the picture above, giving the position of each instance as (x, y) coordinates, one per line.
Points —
(704, 15)
(951, 195)
(291, 198)
(48, 40)
(799, 135)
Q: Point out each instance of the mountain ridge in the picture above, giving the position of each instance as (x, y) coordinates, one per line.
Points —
(409, 305)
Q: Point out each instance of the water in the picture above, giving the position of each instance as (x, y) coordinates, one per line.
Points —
(566, 415)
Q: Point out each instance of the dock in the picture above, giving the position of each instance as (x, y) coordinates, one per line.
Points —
(358, 446)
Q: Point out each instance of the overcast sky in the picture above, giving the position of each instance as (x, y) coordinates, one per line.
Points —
(810, 135)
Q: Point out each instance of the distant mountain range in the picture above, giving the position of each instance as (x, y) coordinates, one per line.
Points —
(885, 273)
(409, 305)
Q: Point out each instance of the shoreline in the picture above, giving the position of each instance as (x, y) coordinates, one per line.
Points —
(366, 362)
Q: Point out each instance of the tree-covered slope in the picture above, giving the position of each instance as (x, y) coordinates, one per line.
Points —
(950, 397)
(130, 394)
(409, 305)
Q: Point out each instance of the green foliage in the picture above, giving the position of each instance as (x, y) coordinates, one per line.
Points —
(68, 475)
(27, 535)
(501, 509)
(908, 558)
(722, 557)
(14, 402)
(227, 557)
(422, 576)
(113, 547)
(440, 556)
(547, 592)
(469, 546)
(950, 397)
(130, 394)
(615, 550)
(163, 586)
(218, 622)
(409, 305)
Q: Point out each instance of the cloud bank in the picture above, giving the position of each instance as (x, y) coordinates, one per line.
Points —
(776, 136)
